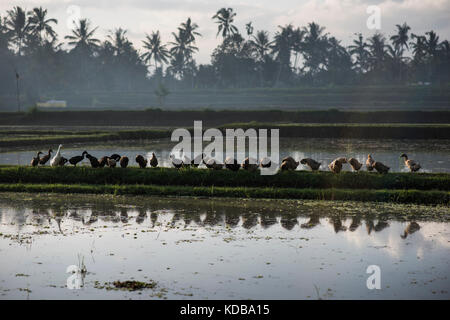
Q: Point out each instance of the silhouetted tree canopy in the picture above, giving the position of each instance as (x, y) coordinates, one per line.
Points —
(294, 56)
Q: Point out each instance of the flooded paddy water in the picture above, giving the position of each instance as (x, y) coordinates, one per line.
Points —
(433, 155)
(221, 248)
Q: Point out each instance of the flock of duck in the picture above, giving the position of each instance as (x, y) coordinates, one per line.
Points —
(249, 164)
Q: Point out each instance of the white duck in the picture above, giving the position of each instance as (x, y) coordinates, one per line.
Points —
(177, 163)
(57, 158)
(186, 161)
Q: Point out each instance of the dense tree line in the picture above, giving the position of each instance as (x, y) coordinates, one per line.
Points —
(32, 59)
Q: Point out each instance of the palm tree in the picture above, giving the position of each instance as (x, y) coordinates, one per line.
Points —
(183, 45)
(314, 47)
(282, 46)
(4, 39)
(262, 44)
(431, 43)
(188, 28)
(249, 28)
(431, 48)
(396, 59)
(419, 47)
(400, 40)
(183, 48)
(444, 49)
(360, 50)
(82, 37)
(17, 25)
(40, 24)
(155, 49)
(338, 62)
(225, 18)
(297, 43)
(377, 51)
(118, 40)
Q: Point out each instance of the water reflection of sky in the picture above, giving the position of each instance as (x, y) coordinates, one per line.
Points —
(434, 155)
(216, 249)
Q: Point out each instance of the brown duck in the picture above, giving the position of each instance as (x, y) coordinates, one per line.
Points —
(153, 161)
(123, 161)
(369, 162)
(45, 158)
(291, 163)
(250, 164)
(355, 164)
(380, 167)
(232, 164)
(35, 160)
(411, 164)
(311, 163)
(141, 161)
(336, 165)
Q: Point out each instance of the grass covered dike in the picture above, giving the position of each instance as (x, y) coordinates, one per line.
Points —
(396, 196)
(356, 131)
(158, 117)
(45, 138)
(224, 178)
(419, 188)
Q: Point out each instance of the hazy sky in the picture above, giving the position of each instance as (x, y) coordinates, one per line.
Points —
(341, 18)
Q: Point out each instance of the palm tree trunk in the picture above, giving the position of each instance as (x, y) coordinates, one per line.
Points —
(17, 91)
(17, 77)
(295, 63)
(278, 75)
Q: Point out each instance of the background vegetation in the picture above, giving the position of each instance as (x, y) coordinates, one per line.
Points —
(158, 117)
(34, 138)
(92, 73)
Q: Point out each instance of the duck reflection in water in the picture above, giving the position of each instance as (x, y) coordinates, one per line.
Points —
(141, 216)
(381, 225)
(356, 222)
(337, 224)
(38, 216)
(175, 218)
(187, 217)
(124, 215)
(153, 218)
(371, 226)
(212, 218)
(58, 221)
(410, 229)
(249, 220)
(232, 220)
(92, 218)
(288, 221)
(197, 219)
(312, 222)
(268, 220)
(74, 215)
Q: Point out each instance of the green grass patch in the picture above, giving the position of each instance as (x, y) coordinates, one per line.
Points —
(434, 197)
(34, 139)
(287, 130)
(224, 178)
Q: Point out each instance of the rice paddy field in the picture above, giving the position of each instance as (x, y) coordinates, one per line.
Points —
(194, 248)
(162, 233)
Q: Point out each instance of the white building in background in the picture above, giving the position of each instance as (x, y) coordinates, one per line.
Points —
(52, 104)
